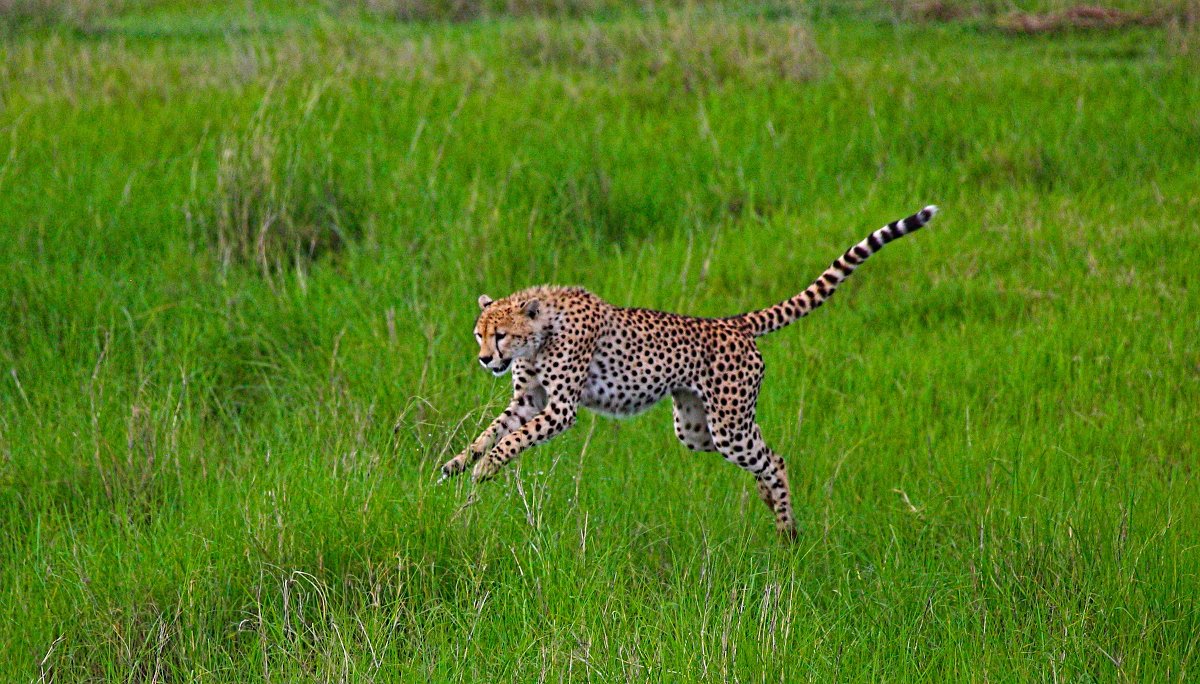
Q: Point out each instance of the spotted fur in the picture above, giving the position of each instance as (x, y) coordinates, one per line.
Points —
(568, 348)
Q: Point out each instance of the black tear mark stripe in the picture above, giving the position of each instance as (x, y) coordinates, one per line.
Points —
(787, 312)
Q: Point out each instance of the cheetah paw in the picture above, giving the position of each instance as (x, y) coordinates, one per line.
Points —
(485, 470)
(787, 530)
(477, 450)
(453, 467)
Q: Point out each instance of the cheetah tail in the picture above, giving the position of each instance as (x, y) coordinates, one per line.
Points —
(789, 311)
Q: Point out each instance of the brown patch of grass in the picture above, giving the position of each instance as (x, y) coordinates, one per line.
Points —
(79, 14)
(468, 10)
(1053, 16)
(1079, 17)
(935, 11)
(422, 10)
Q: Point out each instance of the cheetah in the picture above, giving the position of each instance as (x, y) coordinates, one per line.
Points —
(567, 348)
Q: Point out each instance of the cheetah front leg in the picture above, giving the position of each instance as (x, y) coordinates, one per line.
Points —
(528, 401)
(562, 367)
(557, 417)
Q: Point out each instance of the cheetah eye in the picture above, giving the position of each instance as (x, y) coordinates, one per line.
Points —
(478, 337)
(500, 336)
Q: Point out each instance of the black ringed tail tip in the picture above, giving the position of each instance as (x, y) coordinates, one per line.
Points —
(926, 214)
(784, 313)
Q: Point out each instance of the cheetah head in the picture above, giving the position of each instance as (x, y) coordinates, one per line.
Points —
(507, 330)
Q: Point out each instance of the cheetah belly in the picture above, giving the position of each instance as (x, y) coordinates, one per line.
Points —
(615, 390)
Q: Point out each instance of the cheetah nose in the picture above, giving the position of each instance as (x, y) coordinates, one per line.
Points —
(485, 360)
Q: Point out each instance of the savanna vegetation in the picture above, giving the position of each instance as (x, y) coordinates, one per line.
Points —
(241, 249)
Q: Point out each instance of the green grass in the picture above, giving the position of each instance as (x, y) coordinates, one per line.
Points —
(220, 468)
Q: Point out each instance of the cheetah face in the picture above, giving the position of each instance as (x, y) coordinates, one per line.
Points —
(507, 330)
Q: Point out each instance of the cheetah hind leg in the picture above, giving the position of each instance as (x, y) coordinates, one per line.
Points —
(764, 493)
(775, 491)
(773, 486)
(745, 448)
(691, 427)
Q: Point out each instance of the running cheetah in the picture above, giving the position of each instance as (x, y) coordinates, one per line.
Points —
(568, 348)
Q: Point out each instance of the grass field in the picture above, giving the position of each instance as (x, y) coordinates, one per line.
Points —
(241, 250)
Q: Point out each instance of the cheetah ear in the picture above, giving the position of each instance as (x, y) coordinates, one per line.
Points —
(484, 300)
(531, 308)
